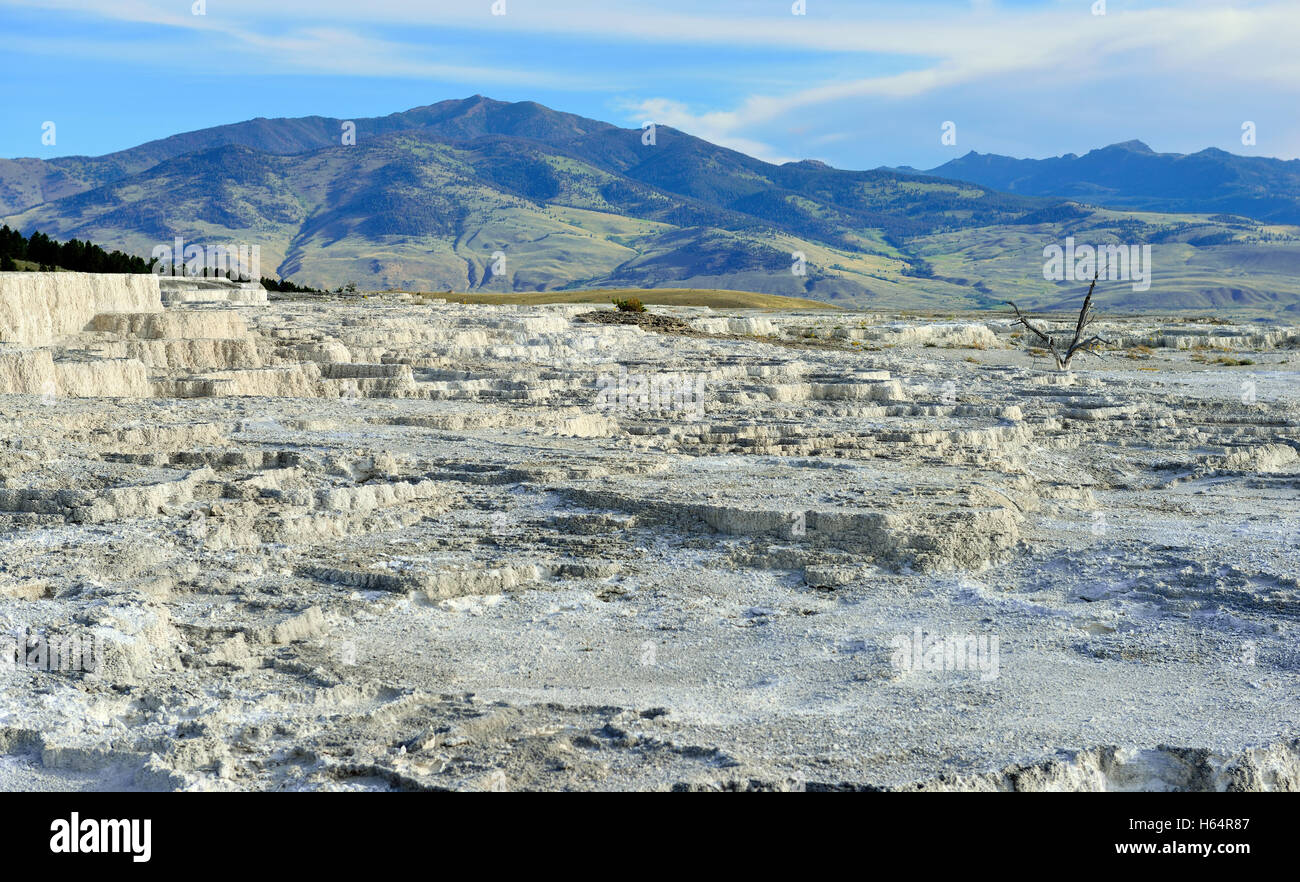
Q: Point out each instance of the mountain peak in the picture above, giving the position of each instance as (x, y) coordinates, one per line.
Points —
(1129, 175)
(1134, 146)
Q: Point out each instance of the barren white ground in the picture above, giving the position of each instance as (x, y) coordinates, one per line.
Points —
(382, 543)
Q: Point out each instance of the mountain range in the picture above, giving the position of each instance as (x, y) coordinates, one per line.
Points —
(484, 195)
(1132, 175)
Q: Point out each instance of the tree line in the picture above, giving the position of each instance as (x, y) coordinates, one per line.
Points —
(86, 257)
(73, 255)
(287, 286)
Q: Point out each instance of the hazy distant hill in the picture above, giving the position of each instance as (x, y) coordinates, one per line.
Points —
(427, 199)
(1131, 175)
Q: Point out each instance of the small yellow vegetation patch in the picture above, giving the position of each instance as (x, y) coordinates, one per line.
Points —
(714, 298)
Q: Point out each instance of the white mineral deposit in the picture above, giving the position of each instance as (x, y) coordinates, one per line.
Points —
(357, 543)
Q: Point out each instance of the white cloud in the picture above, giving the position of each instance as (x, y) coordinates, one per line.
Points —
(1065, 54)
(923, 49)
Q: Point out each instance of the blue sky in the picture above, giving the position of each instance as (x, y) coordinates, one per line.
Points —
(856, 84)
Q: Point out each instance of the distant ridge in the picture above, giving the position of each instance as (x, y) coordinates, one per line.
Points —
(482, 196)
(1131, 175)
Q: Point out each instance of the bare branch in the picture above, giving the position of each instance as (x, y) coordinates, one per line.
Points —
(1086, 346)
(1041, 336)
(1083, 313)
(1077, 343)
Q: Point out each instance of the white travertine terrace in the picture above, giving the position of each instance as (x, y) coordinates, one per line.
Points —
(38, 308)
(395, 542)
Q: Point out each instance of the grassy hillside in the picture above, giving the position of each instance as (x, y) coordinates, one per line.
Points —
(716, 299)
(1255, 266)
(428, 200)
(408, 211)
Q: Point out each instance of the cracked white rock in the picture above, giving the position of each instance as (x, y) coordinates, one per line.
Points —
(405, 543)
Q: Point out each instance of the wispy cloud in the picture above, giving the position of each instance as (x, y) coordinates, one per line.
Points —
(841, 58)
(1249, 46)
(308, 49)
